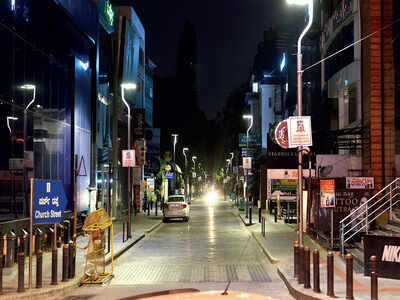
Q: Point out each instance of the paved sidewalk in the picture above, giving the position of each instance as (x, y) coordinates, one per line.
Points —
(278, 246)
(141, 225)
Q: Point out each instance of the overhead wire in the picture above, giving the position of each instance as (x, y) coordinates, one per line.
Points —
(351, 45)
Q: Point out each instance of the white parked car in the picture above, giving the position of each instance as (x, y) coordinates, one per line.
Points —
(176, 207)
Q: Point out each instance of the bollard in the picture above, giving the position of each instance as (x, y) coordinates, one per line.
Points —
(300, 278)
(156, 207)
(316, 287)
(349, 276)
(250, 214)
(1, 273)
(276, 215)
(374, 277)
(54, 266)
(148, 209)
(73, 261)
(296, 258)
(21, 267)
(307, 284)
(70, 258)
(65, 263)
(259, 215)
(330, 274)
(39, 268)
(123, 232)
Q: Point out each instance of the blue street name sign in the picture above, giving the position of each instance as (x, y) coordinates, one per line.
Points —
(169, 175)
(49, 201)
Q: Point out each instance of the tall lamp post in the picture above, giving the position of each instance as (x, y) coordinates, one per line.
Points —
(194, 168)
(128, 86)
(248, 117)
(300, 106)
(175, 136)
(184, 150)
(32, 88)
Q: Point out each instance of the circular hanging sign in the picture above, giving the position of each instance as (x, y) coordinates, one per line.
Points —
(281, 134)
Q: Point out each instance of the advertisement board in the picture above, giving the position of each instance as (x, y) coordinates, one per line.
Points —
(360, 183)
(327, 193)
(346, 201)
(299, 131)
(386, 249)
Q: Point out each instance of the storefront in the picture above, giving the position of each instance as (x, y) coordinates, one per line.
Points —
(46, 89)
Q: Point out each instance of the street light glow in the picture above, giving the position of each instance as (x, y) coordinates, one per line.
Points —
(247, 117)
(298, 2)
(28, 87)
(129, 86)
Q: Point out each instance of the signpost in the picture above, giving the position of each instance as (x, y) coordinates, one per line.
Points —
(246, 162)
(128, 158)
(47, 206)
(299, 132)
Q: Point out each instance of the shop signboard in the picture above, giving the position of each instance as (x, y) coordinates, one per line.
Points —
(327, 193)
(299, 131)
(281, 134)
(128, 158)
(360, 183)
(387, 251)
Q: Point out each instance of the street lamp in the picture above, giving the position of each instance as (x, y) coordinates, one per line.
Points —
(128, 86)
(175, 136)
(184, 150)
(10, 118)
(248, 117)
(232, 155)
(300, 106)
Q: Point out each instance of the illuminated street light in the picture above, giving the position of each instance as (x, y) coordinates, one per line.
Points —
(184, 150)
(248, 117)
(128, 86)
(10, 118)
(299, 107)
(175, 136)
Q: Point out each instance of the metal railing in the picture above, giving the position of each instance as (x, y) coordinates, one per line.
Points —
(360, 219)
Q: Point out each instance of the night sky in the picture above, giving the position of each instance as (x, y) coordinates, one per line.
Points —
(228, 32)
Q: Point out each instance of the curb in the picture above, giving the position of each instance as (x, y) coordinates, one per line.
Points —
(271, 258)
(296, 294)
(34, 294)
(300, 293)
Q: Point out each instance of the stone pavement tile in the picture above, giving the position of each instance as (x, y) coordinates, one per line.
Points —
(140, 225)
(278, 245)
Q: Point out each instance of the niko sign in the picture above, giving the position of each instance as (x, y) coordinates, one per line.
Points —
(49, 201)
(299, 132)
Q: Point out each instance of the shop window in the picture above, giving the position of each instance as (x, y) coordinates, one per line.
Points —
(353, 105)
(344, 58)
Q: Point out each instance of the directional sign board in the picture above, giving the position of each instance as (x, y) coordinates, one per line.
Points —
(49, 201)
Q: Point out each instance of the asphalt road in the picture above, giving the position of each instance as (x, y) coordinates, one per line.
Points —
(206, 253)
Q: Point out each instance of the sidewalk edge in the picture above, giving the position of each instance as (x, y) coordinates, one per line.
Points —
(271, 258)
(74, 283)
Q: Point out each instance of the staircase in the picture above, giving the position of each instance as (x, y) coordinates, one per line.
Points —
(359, 221)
